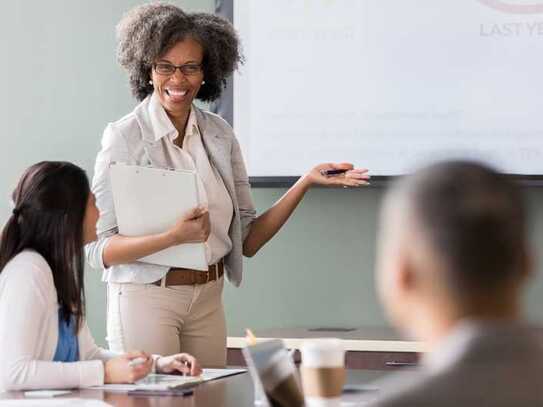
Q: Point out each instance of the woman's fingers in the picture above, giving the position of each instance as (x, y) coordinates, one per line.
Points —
(128, 368)
(360, 178)
(357, 175)
(195, 213)
(351, 178)
(190, 364)
(140, 371)
(360, 171)
(348, 176)
(195, 368)
(140, 363)
(334, 166)
(341, 166)
(181, 362)
(180, 367)
(349, 181)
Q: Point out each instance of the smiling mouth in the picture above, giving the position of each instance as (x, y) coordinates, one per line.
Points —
(176, 93)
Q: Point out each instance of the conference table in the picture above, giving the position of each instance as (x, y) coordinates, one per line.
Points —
(233, 391)
(370, 348)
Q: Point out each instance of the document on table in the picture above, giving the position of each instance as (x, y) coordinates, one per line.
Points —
(160, 382)
(150, 200)
(53, 402)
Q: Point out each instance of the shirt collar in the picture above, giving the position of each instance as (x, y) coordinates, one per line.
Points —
(451, 348)
(462, 339)
(191, 129)
(161, 125)
(192, 123)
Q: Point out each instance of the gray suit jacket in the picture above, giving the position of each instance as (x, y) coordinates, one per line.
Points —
(478, 365)
(139, 139)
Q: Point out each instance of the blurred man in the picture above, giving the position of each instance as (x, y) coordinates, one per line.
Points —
(453, 259)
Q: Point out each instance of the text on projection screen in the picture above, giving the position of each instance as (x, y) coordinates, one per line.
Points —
(389, 85)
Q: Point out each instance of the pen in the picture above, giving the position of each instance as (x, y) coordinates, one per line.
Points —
(186, 364)
(328, 173)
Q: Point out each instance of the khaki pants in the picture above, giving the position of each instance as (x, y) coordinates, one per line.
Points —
(168, 320)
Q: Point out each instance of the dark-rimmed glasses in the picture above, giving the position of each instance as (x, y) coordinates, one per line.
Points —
(167, 69)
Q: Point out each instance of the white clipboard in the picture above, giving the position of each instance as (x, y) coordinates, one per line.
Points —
(150, 200)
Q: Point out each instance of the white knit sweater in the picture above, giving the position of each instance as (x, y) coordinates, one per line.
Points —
(29, 332)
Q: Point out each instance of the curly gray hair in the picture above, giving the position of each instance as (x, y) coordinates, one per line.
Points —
(147, 32)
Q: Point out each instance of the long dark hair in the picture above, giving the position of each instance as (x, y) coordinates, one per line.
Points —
(49, 208)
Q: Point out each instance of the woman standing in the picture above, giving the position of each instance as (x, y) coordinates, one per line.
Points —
(173, 58)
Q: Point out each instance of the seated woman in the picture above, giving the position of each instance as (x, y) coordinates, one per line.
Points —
(44, 339)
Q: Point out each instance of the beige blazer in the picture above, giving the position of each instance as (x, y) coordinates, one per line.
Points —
(138, 139)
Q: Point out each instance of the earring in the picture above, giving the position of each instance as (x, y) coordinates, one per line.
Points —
(150, 82)
(203, 82)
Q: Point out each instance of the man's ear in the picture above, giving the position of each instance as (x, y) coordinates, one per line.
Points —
(406, 278)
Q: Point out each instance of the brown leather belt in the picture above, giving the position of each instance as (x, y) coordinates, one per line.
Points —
(182, 276)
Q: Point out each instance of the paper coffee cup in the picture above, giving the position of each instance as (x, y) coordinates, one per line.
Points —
(323, 372)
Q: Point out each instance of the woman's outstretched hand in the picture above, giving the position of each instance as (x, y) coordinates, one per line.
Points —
(265, 226)
(349, 177)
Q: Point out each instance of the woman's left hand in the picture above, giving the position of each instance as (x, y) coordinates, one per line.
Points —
(352, 177)
(181, 362)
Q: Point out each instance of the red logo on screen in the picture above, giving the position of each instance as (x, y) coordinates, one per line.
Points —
(515, 7)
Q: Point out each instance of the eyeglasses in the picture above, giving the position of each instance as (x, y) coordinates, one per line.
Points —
(164, 68)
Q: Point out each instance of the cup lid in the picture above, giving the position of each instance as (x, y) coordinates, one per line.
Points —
(323, 352)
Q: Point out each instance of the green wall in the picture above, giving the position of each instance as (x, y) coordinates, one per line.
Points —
(62, 85)
(319, 270)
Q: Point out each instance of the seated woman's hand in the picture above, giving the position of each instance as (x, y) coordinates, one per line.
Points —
(352, 177)
(120, 370)
(181, 362)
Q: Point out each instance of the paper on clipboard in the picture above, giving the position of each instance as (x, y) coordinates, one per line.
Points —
(150, 200)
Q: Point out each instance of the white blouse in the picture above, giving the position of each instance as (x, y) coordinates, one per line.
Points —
(29, 332)
(215, 194)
